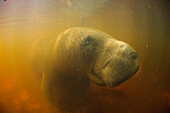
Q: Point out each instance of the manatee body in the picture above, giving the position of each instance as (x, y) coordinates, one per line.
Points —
(68, 62)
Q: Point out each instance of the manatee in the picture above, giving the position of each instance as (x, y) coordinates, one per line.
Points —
(68, 63)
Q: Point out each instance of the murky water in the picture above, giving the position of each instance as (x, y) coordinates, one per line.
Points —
(144, 24)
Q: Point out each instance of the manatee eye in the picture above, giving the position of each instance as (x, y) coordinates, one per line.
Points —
(89, 45)
(88, 41)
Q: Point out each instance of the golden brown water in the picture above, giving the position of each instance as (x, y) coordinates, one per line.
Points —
(144, 24)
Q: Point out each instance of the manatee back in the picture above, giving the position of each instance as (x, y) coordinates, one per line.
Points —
(41, 54)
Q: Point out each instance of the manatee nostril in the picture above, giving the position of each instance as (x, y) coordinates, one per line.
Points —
(133, 55)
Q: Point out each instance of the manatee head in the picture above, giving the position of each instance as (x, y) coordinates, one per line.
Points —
(116, 63)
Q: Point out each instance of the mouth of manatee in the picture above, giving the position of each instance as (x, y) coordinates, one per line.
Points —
(96, 75)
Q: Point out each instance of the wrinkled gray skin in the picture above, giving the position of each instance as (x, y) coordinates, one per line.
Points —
(77, 56)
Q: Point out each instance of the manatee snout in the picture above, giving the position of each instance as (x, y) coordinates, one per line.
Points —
(119, 64)
(127, 50)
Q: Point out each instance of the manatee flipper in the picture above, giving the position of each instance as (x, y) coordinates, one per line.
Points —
(47, 87)
(69, 97)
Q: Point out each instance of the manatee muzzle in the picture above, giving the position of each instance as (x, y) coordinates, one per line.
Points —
(114, 67)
